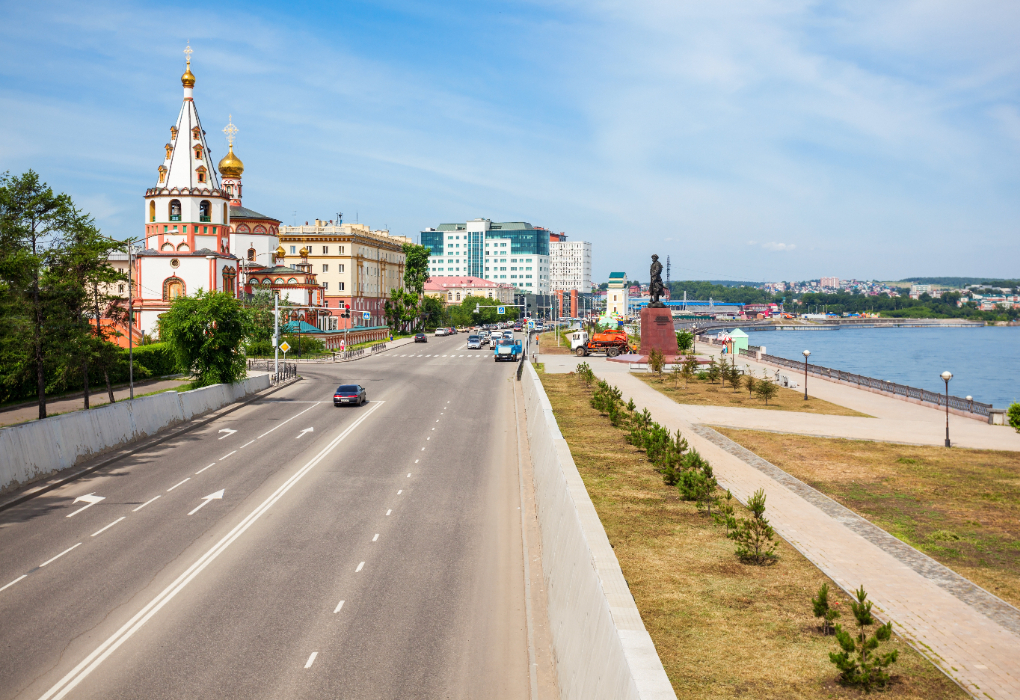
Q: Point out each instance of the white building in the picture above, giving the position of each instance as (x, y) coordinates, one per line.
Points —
(569, 264)
(187, 229)
(617, 293)
(453, 290)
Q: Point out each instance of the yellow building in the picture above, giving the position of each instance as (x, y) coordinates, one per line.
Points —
(354, 265)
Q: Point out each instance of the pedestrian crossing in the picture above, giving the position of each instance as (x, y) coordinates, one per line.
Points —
(450, 356)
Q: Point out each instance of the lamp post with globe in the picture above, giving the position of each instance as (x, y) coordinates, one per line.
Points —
(946, 376)
(807, 354)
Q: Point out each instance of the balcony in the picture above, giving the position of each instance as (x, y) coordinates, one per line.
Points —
(205, 219)
(175, 217)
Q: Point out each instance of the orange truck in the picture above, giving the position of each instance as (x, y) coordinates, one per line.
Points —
(612, 343)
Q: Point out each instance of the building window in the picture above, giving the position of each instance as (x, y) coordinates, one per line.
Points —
(341, 267)
(325, 268)
(251, 254)
(293, 250)
(325, 250)
(175, 210)
(325, 285)
(152, 210)
(173, 287)
(204, 207)
(341, 250)
(340, 286)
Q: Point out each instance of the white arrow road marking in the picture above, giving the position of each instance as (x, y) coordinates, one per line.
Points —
(228, 432)
(205, 500)
(306, 430)
(90, 499)
(87, 665)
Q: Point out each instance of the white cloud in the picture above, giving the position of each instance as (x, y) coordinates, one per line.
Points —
(778, 247)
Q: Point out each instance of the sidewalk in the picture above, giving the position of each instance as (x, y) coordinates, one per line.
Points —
(894, 420)
(969, 633)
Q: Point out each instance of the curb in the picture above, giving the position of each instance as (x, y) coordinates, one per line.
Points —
(127, 452)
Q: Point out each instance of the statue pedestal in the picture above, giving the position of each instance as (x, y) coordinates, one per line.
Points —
(657, 332)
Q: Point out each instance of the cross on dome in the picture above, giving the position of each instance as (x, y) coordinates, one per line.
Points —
(230, 130)
(187, 52)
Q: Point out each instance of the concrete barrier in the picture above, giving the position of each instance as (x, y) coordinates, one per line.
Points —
(602, 647)
(35, 450)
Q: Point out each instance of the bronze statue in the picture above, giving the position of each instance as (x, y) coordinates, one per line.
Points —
(655, 287)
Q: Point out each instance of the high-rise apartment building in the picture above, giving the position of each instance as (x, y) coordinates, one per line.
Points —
(569, 264)
(829, 282)
(514, 253)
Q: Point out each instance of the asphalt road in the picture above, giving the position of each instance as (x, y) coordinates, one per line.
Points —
(377, 555)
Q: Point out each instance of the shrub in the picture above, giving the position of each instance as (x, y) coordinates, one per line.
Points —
(690, 367)
(766, 390)
(754, 536)
(713, 369)
(656, 360)
(725, 514)
(733, 375)
(858, 664)
(1013, 414)
(585, 373)
(697, 482)
(823, 609)
(751, 383)
(684, 341)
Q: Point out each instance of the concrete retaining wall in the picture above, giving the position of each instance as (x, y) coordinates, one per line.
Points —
(602, 647)
(35, 450)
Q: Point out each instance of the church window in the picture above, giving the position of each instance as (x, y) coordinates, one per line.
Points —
(183, 246)
(214, 230)
(292, 281)
(165, 228)
(152, 210)
(162, 174)
(175, 210)
(251, 254)
(173, 287)
(204, 207)
(196, 133)
(169, 150)
(167, 246)
(279, 280)
(260, 229)
(173, 133)
(205, 229)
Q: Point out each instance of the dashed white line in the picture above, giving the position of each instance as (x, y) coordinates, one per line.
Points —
(429, 438)
(409, 475)
(245, 444)
(335, 611)
(360, 567)
(227, 455)
(289, 419)
(376, 538)
(144, 504)
(50, 561)
(416, 461)
(26, 575)
(204, 468)
(109, 526)
(311, 659)
(400, 492)
(176, 485)
(423, 449)
(387, 513)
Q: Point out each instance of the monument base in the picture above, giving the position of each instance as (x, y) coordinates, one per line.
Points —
(657, 331)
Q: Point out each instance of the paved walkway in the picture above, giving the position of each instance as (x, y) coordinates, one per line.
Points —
(894, 420)
(966, 631)
(98, 397)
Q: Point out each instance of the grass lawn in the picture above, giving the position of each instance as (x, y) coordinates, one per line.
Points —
(701, 392)
(723, 629)
(960, 507)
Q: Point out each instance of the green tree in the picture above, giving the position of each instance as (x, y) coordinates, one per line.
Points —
(823, 609)
(857, 661)
(754, 536)
(713, 369)
(1013, 414)
(433, 313)
(411, 308)
(656, 360)
(750, 382)
(205, 333)
(765, 389)
(684, 341)
(690, 367)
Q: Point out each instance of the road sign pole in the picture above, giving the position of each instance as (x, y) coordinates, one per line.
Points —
(276, 337)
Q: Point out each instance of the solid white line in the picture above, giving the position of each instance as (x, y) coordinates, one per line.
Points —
(144, 504)
(176, 485)
(103, 651)
(376, 538)
(389, 511)
(360, 567)
(204, 468)
(246, 444)
(86, 506)
(50, 561)
(227, 455)
(339, 605)
(26, 575)
(109, 526)
(311, 659)
(289, 419)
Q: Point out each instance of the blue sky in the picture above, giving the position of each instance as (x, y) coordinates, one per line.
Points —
(748, 140)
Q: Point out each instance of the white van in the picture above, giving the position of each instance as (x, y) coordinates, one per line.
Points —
(495, 336)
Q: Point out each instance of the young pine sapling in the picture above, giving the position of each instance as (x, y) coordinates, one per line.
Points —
(858, 662)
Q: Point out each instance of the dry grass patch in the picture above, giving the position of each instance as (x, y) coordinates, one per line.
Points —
(701, 392)
(723, 629)
(960, 507)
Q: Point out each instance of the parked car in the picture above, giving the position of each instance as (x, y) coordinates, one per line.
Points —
(474, 342)
(421, 338)
(350, 394)
(442, 331)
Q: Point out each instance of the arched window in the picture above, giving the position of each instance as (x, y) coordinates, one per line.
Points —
(168, 246)
(292, 281)
(458, 296)
(260, 229)
(175, 210)
(251, 254)
(200, 171)
(173, 287)
(226, 218)
(279, 280)
(152, 210)
(183, 246)
(204, 209)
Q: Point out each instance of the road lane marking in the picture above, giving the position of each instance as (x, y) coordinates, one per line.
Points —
(204, 468)
(90, 500)
(436, 422)
(246, 444)
(360, 567)
(335, 611)
(289, 419)
(389, 511)
(422, 449)
(415, 461)
(176, 485)
(311, 659)
(109, 526)
(306, 430)
(227, 455)
(429, 438)
(149, 501)
(376, 538)
(218, 496)
(408, 475)
(50, 561)
(228, 432)
(114, 641)
(26, 576)
(400, 492)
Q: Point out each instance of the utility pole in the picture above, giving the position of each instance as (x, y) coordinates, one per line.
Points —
(276, 336)
(131, 329)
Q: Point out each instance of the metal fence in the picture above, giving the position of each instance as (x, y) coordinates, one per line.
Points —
(932, 397)
(287, 370)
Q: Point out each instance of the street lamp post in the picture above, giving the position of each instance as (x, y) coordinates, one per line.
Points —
(946, 376)
(807, 354)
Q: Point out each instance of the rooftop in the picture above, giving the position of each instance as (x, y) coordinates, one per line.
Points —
(436, 282)
(237, 212)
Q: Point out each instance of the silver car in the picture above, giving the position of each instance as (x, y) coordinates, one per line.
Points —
(474, 342)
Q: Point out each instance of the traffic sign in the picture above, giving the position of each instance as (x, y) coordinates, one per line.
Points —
(366, 315)
(284, 346)
(500, 310)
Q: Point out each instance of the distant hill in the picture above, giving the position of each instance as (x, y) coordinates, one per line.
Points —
(960, 281)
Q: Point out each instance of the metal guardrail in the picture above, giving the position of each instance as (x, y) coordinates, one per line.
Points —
(288, 370)
(931, 397)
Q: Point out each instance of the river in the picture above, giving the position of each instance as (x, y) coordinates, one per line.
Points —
(984, 360)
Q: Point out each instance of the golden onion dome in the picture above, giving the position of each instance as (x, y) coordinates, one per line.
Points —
(188, 79)
(304, 252)
(280, 252)
(231, 165)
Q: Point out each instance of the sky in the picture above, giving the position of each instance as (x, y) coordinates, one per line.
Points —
(746, 139)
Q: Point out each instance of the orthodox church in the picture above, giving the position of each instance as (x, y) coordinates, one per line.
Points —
(194, 225)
